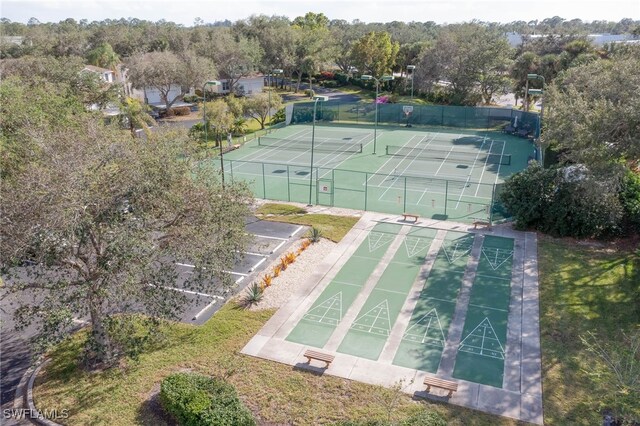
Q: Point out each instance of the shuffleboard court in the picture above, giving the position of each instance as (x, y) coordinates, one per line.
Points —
(319, 322)
(481, 351)
(424, 338)
(369, 332)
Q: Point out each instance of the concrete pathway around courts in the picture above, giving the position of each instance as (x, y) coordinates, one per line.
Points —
(521, 394)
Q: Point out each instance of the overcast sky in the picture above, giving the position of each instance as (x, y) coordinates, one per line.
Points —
(441, 11)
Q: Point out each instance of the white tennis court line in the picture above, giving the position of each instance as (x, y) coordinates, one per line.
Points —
(377, 172)
(421, 149)
(473, 166)
(364, 136)
(485, 168)
(262, 154)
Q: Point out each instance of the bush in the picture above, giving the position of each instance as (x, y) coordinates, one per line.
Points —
(630, 200)
(195, 400)
(330, 84)
(563, 202)
(183, 110)
(342, 79)
(278, 117)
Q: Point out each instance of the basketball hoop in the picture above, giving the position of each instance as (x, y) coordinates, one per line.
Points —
(407, 109)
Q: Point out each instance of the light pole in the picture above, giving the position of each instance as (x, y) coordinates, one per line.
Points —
(313, 136)
(541, 93)
(275, 71)
(411, 68)
(204, 118)
(375, 127)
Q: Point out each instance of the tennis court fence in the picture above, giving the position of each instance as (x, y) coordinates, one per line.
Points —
(428, 196)
(445, 116)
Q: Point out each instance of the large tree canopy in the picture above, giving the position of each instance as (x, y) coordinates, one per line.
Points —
(103, 217)
(594, 112)
(165, 70)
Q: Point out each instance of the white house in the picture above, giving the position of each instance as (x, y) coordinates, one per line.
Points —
(105, 74)
(249, 85)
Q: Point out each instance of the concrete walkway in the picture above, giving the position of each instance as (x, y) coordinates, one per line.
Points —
(521, 394)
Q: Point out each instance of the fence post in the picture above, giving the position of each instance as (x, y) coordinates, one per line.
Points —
(288, 185)
(264, 183)
(493, 194)
(333, 186)
(446, 195)
(366, 187)
(405, 196)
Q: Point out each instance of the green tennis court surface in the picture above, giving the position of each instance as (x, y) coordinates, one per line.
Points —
(319, 322)
(481, 351)
(437, 173)
(423, 340)
(369, 332)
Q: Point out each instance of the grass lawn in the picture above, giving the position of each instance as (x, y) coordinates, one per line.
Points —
(583, 289)
(332, 227)
(276, 393)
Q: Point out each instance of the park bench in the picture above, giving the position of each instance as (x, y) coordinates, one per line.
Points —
(481, 223)
(442, 384)
(406, 215)
(319, 356)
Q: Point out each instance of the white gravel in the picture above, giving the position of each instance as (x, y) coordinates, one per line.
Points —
(285, 285)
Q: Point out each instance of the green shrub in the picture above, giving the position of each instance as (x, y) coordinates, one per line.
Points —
(563, 202)
(314, 235)
(630, 200)
(331, 84)
(278, 117)
(196, 400)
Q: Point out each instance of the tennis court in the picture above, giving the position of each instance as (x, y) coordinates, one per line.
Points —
(436, 173)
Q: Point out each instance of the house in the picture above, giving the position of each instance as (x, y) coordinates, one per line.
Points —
(105, 74)
(249, 85)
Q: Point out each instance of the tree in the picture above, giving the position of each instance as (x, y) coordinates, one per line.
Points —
(166, 71)
(311, 41)
(115, 215)
(104, 56)
(136, 115)
(258, 106)
(594, 113)
(220, 119)
(375, 54)
(471, 59)
(235, 56)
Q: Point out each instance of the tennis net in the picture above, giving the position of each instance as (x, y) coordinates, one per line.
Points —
(457, 156)
(329, 146)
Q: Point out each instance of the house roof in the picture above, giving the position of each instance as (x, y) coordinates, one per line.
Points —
(96, 69)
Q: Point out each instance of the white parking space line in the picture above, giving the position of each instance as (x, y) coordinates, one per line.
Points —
(236, 273)
(195, 293)
(270, 238)
(253, 268)
(297, 230)
(278, 246)
(252, 253)
(196, 316)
